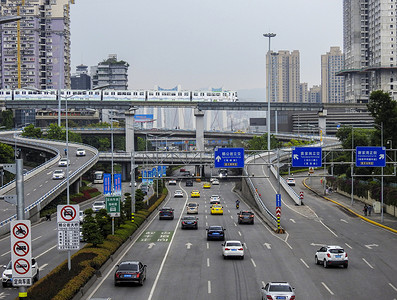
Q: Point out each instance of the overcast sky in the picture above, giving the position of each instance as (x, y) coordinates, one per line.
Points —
(203, 43)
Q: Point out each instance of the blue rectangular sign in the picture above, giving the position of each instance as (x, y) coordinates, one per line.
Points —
(307, 157)
(144, 176)
(107, 184)
(278, 200)
(370, 156)
(117, 184)
(229, 158)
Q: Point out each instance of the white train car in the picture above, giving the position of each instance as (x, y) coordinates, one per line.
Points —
(126, 95)
(153, 95)
(81, 95)
(6, 95)
(35, 95)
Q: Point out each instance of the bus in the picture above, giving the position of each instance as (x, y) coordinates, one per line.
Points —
(98, 177)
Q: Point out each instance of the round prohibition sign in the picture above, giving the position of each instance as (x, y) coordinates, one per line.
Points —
(68, 213)
(22, 265)
(20, 230)
(21, 248)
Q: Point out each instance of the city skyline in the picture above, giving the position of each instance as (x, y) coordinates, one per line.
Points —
(216, 46)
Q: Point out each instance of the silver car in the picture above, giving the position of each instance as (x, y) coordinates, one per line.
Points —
(98, 205)
(278, 290)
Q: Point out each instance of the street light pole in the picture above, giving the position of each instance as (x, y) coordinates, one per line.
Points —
(268, 35)
(381, 206)
(351, 169)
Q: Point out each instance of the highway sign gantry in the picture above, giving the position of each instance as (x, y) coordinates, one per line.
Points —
(370, 156)
(68, 227)
(21, 253)
(307, 157)
(229, 158)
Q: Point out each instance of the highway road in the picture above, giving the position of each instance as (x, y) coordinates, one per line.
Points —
(183, 264)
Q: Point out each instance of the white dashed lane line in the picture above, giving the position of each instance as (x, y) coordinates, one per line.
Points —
(307, 266)
(253, 262)
(348, 246)
(208, 262)
(393, 287)
(208, 245)
(367, 263)
(328, 289)
(239, 233)
(209, 287)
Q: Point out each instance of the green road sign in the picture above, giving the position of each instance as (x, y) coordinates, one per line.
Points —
(113, 205)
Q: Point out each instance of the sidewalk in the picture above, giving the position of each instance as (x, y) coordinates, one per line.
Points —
(389, 222)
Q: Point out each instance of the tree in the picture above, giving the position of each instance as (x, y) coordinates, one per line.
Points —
(91, 231)
(6, 153)
(7, 119)
(55, 132)
(104, 223)
(31, 131)
(260, 142)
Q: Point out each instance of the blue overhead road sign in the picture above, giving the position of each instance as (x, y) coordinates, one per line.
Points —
(370, 156)
(229, 158)
(306, 157)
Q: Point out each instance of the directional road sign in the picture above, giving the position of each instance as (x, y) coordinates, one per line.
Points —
(229, 158)
(68, 227)
(278, 212)
(306, 157)
(278, 199)
(113, 205)
(21, 252)
(370, 156)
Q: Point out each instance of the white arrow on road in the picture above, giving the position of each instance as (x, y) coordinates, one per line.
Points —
(268, 246)
(292, 220)
(296, 156)
(188, 245)
(3, 295)
(218, 158)
(370, 246)
(342, 220)
(313, 244)
(150, 246)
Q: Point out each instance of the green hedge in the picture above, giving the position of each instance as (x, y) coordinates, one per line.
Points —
(62, 284)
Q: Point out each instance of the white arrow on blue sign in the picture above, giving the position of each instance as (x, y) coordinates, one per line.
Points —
(307, 157)
(370, 156)
(229, 158)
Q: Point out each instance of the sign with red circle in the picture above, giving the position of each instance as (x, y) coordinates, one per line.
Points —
(68, 213)
(20, 230)
(21, 266)
(21, 248)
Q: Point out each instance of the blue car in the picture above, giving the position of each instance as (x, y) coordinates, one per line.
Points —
(216, 233)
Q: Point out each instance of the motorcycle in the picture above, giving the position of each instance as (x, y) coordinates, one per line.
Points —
(237, 205)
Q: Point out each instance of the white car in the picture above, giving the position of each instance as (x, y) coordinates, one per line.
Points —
(6, 278)
(172, 182)
(291, 181)
(80, 152)
(215, 182)
(81, 216)
(278, 290)
(98, 205)
(58, 174)
(178, 194)
(233, 249)
(215, 199)
(331, 256)
(63, 162)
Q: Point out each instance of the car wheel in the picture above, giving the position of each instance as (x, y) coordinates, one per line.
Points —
(4, 284)
(116, 284)
(242, 257)
(316, 260)
(141, 282)
(345, 265)
(252, 222)
(36, 278)
(224, 257)
(325, 264)
(196, 227)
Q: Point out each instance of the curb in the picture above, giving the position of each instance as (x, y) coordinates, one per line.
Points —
(350, 210)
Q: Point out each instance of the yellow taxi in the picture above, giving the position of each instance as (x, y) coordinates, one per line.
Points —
(216, 209)
(206, 185)
(195, 194)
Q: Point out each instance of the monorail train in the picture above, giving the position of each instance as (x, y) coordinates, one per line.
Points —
(120, 95)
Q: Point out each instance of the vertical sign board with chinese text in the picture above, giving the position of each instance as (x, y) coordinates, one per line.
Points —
(307, 157)
(107, 184)
(229, 158)
(21, 253)
(117, 184)
(370, 157)
(113, 205)
(68, 227)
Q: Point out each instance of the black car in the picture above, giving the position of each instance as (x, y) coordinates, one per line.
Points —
(189, 222)
(216, 233)
(130, 272)
(189, 182)
(166, 213)
(245, 216)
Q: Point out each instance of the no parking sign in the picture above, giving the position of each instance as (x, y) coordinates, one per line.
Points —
(21, 252)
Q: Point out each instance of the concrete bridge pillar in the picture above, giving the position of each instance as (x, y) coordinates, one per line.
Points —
(75, 186)
(199, 129)
(322, 123)
(129, 130)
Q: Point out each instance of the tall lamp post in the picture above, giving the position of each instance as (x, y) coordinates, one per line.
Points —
(268, 35)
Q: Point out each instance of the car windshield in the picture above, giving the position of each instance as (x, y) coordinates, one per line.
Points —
(336, 250)
(166, 209)
(99, 203)
(246, 213)
(80, 149)
(189, 218)
(128, 267)
(280, 288)
(236, 244)
(58, 172)
(215, 228)
(192, 205)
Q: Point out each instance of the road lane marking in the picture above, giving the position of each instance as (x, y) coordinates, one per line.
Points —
(34, 190)
(328, 289)
(205, 211)
(6, 253)
(208, 262)
(208, 245)
(343, 220)
(209, 287)
(37, 238)
(225, 205)
(348, 245)
(206, 217)
(49, 173)
(206, 224)
(253, 262)
(42, 267)
(239, 233)
(393, 287)
(41, 254)
(40, 185)
(263, 284)
(292, 220)
(228, 211)
(231, 217)
(235, 224)
(205, 205)
(307, 266)
(27, 194)
(367, 263)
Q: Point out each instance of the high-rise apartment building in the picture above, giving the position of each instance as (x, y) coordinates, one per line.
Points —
(369, 40)
(284, 76)
(332, 86)
(303, 92)
(111, 73)
(43, 58)
(315, 94)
